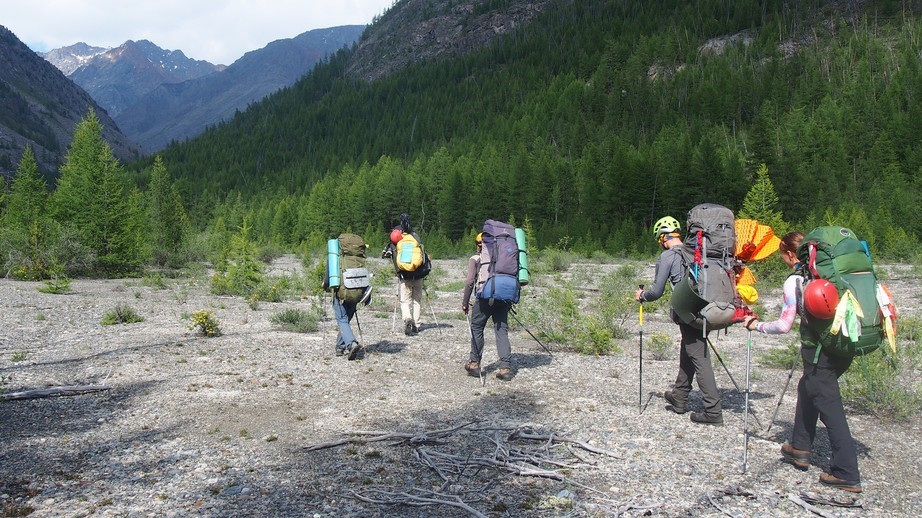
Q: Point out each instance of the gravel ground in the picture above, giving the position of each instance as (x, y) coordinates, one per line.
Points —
(222, 426)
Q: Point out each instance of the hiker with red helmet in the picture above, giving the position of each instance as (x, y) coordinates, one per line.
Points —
(818, 395)
(411, 264)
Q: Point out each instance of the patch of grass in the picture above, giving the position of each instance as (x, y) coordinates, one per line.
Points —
(154, 280)
(19, 356)
(120, 314)
(297, 320)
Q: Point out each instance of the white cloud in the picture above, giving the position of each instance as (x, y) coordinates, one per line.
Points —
(219, 31)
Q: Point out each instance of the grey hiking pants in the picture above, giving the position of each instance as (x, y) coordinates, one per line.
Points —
(481, 311)
(695, 359)
(818, 397)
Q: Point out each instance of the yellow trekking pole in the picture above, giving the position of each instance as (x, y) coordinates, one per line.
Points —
(640, 377)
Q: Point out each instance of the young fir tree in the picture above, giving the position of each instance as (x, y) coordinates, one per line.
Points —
(92, 198)
(23, 222)
(168, 224)
(761, 203)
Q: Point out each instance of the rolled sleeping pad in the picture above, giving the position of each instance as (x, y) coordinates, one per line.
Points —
(523, 256)
(333, 262)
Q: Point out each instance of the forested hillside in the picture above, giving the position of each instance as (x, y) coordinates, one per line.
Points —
(592, 121)
(585, 125)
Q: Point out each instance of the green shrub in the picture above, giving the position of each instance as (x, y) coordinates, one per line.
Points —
(298, 320)
(661, 346)
(616, 299)
(782, 358)
(56, 285)
(879, 385)
(205, 322)
(120, 314)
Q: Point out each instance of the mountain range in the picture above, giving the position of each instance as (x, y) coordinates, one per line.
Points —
(40, 107)
(157, 96)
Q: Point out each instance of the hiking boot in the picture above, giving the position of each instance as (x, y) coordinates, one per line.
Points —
(702, 418)
(677, 407)
(354, 350)
(340, 352)
(799, 458)
(836, 482)
(504, 374)
(408, 328)
(473, 369)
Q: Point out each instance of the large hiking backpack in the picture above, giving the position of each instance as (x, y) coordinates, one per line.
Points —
(354, 278)
(409, 255)
(835, 255)
(498, 277)
(706, 298)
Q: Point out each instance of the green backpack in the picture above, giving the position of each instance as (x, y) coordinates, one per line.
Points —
(354, 276)
(836, 255)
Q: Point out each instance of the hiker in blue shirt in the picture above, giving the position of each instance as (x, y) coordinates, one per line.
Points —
(694, 358)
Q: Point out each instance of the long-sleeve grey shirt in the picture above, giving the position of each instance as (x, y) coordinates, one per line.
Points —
(670, 267)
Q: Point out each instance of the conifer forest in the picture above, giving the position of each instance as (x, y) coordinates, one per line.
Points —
(584, 127)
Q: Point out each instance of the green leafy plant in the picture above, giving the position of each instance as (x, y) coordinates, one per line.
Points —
(205, 322)
(19, 356)
(120, 314)
(298, 320)
(661, 346)
(56, 285)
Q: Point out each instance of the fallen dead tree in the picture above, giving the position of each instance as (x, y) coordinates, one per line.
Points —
(66, 390)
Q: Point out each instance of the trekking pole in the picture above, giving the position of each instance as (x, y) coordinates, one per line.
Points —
(434, 319)
(359, 325)
(783, 392)
(396, 302)
(735, 385)
(640, 360)
(746, 407)
(470, 327)
(512, 312)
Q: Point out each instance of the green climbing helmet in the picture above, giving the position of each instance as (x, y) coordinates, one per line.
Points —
(666, 225)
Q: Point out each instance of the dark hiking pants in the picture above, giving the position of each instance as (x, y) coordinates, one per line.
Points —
(695, 359)
(481, 311)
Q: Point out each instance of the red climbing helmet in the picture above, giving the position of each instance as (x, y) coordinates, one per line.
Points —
(821, 298)
(396, 235)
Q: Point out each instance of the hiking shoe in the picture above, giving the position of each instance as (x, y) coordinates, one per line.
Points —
(354, 350)
(340, 352)
(799, 458)
(702, 418)
(836, 482)
(676, 407)
(504, 374)
(408, 328)
(473, 369)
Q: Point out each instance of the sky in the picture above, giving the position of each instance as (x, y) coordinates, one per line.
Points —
(218, 31)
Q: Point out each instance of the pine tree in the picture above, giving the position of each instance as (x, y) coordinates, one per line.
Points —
(92, 199)
(25, 204)
(761, 202)
(168, 225)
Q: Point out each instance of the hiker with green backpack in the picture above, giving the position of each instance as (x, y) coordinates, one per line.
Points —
(823, 258)
(349, 281)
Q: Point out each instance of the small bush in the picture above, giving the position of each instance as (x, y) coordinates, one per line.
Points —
(297, 320)
(155, 281)
(661, 346)
(120, 314)
(782, 358)
(205, 322)
(876, 384)
(57, 286)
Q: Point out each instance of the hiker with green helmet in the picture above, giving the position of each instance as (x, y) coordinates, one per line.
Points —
(818, 395)
(694, 358)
